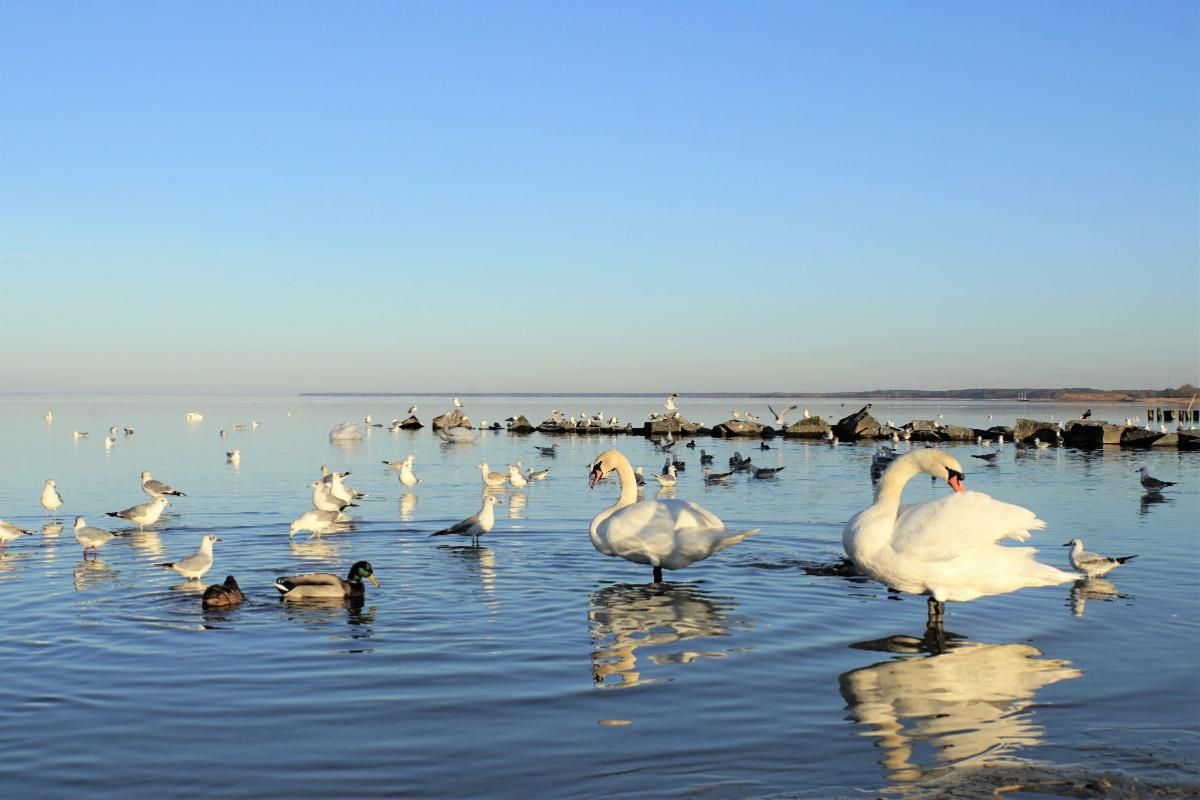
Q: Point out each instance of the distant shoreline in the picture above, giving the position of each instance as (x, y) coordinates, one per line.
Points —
(1002, 395)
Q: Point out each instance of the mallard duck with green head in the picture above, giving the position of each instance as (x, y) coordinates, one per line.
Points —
(327, 585)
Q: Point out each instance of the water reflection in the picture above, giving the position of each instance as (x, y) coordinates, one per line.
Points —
(315, 549)
(408, 503)
(1149, 500)
(516, 504)
(965, 701)
(480, 562)
(51, 530)
(1099, 589)
(317, 613)
(624, 617)
(147, 542)
(10, 563)
(90, 574)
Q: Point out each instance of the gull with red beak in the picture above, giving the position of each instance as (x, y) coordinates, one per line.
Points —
(948, 548)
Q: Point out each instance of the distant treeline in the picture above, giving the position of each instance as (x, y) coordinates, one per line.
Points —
(1186, 391)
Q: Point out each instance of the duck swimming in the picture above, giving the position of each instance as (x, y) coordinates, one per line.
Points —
(223, 595)
(327, 585)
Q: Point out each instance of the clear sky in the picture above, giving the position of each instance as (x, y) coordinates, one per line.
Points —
(686, 196)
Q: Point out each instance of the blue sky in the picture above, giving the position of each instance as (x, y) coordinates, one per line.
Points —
(625, 196)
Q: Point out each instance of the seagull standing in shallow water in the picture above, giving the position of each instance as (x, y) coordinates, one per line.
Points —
(1152, 484)
(194, 566)
(1093, 564)
(475, 525)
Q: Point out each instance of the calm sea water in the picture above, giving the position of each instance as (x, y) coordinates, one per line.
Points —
(534, 666)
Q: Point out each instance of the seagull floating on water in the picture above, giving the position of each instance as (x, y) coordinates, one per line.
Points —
(194, 566)
(155, 488)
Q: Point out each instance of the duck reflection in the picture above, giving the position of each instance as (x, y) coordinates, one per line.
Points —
(1099, 589)
(318, 612)
(964, 701)
(408, 502)
(625, 617)
(1149, 500)
(89, 574)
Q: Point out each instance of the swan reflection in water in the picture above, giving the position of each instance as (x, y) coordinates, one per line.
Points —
(964, 702)
(623, 618)
(1099, 589)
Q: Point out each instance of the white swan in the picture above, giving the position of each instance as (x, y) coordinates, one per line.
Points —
(945, 548)
(667, 534)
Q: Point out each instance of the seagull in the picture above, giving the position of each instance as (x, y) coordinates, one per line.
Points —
(807, 415)
(667, 479)
(1093, 564)
(234, 457)
(1040, 444)
(716, 477)
(323, 499)
(49, 416)
(412, 410)
(315, 521)
(767, 472)
(736, 414)
(51, 499)
(670, 404)
(475, 525)
(1086, 415)
(779, 416)
(457, 403)
(199, 562)
(109, 442)
(986, 456)
(1149, 483)
(9, 532)
(638, 477)
(143, 514)
(537, 475)
(515, 477)
(79, 434)
(491, 478)
(157, 488)
(129, 431)
(253, 424)
(92, 537)
(407, 476)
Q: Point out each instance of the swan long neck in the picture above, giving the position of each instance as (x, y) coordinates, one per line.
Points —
(628, 480)
(893, 481)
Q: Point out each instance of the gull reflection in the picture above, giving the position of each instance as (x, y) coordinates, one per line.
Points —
(480, 562)
(10, 563)
(1099, 589)
(624, 617)
(147, 542)
(1149, 500)
(318, 549)
(516, 505)
(968, 700)
(51, 530)
(408, 502)
(89, 574)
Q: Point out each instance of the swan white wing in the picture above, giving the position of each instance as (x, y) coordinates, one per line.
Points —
(943, 529)
(667, 533)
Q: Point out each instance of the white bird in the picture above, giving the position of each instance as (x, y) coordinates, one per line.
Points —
(193, 416)
(946, 548)
(346, 432)
(10, 532)
(194, 566)
(109, 441)
(143, 514)
(537, 475)
(254, 423)
(670, 404)
(736, 414)
(316, 521)
(667, 479)
(367, 419)
(407, 476)
(234, 457)
(324, 500)
(1149, 483)
(515, 477)
(412, 410)
(79, 434)
(51, 499)
(340, 490)
(155, 488)
(475, 525)
(492, 478)
(49, 416)
(780, 415)
(91, 537)
(457, 403)
(1040, 444)
(1093, 564)
(807, 415)
(666, 534)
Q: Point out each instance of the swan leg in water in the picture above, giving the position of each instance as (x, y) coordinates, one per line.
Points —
(658, 574)
(936, 612)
